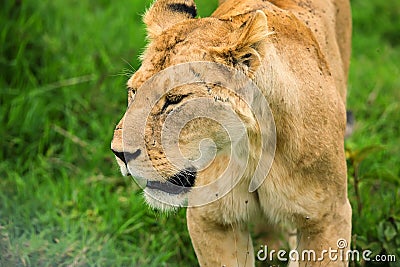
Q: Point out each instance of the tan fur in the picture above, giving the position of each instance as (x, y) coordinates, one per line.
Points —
(297, 52)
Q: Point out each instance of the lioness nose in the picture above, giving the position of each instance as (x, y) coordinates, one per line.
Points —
(127, 156)
(119, 155)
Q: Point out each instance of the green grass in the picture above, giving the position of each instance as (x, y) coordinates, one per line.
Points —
(63, 67)
(374, 97)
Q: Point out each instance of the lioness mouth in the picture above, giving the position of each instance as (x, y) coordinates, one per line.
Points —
(179, 183)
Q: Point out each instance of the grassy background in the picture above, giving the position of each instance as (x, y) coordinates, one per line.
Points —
(63, 68)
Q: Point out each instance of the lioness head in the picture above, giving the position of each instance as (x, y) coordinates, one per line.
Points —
(176, 36)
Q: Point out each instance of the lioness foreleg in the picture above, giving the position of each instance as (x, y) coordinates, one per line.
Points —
(216, 244)
(325, 241)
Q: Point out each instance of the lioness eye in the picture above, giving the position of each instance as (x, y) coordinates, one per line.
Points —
(131, 95)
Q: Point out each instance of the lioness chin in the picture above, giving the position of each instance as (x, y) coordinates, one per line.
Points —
(297, 53)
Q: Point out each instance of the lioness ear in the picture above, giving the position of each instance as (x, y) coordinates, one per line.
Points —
(165, 13)
(248, 43)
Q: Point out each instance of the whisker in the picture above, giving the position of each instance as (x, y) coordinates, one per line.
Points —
(129, 64)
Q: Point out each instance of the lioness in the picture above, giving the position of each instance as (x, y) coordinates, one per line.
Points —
(297, 52)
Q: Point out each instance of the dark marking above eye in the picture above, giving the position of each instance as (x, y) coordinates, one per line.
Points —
(248, 55)
(183, 8)
(172, 99)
